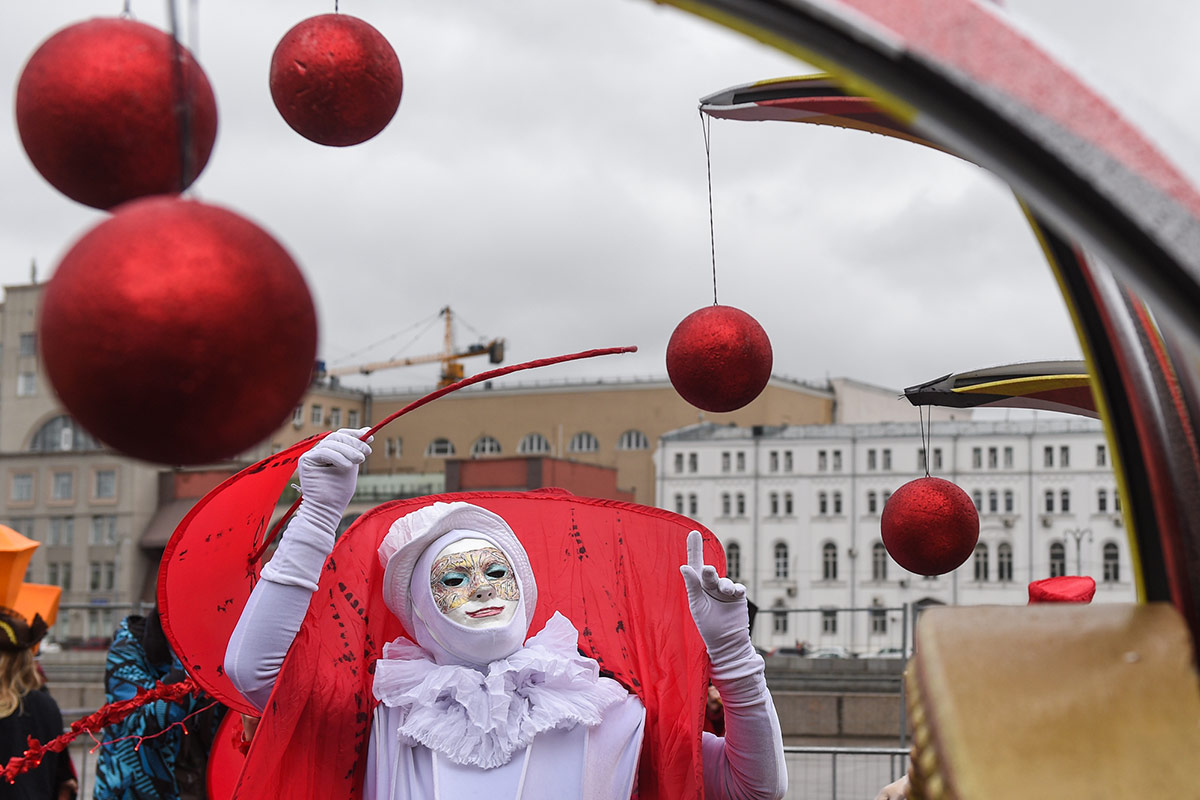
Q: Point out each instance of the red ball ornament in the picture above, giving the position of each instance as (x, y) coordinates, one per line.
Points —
(719, 358)
(336, 80)
(178, 332)
(100, 107)
(930, 526)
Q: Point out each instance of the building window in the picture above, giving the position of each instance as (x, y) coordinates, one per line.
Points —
(829, 620)
(693, 462)
(485, 446)
(1058, 560)
(837, 503)
(879, 562)
(977, 499)
(440, 447)
(398, 446)
(773, 500)
(779, 621)
(977, 457)
(27, 345)
(1102, 500)
(1047, 456)
(871, 459)
(62, 434)
(781, 561)
(317, 414)
(1008, 458)
(1064, 501)
(533, 444)
(937, 458)
(822, 461)
(741, 461)
(62, 532)
(726, 461)
(837, 460)
(788, 504)
(26, 384)
(787, 460)
(885, 459)
(106, 484)
(773, 461)
(1049, 497)
(822, 503)
(298, 416)
(1112, 563)
(94, 576)
(1008, 501)
(104, 530)
(1064, 456)
(59, 574)
(1101, 456)
(678, 503)
(633, 440)
(829, 561)
(584, 442)
(741, 504)
(23, 526)
(878, 621)
(993, 501)
(993, 458)
(872, 502)
(884, 496)
(63, 486)
(1004, 562)
(921, 465)
(981, 562)
(693, 505)
(678, 463)
(335, 418)
(352, 418)
(733, 561)
(1116, 500)
(726, 504)
(389, 448)
(22, 488)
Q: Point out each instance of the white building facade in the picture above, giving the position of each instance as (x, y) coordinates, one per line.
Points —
(798, 511)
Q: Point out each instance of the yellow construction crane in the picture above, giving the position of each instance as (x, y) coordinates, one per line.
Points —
(452, 370)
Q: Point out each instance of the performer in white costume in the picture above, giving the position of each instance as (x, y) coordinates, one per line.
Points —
(473, 705)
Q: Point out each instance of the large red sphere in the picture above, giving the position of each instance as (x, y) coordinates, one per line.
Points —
(178, 332)
(100, 108)
(930, 526)
(719, 358)
(336, 80)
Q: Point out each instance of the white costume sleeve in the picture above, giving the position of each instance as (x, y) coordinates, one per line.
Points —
(747, 764)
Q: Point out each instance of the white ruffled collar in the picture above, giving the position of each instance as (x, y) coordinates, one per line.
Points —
(481, 719)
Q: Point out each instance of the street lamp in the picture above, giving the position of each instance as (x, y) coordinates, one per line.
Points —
(1077, 534)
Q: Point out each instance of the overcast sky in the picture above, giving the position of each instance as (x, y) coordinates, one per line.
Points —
(545, 177)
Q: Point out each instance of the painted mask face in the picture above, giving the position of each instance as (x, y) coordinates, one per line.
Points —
(474, 585)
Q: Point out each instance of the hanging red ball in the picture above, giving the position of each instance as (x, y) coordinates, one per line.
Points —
(930, 526)
(336, 80)
(719, 358)
(178, 332)
(100, 108)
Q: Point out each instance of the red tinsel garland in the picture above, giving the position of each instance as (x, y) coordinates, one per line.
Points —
(109, 714)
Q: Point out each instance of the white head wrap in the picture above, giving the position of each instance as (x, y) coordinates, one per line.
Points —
(407, 554)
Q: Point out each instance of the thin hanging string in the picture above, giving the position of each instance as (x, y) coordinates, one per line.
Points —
(183, 99)
(126, 13)
(926, 435)
(705, 126)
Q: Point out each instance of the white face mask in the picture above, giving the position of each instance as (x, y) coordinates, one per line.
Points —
(474, 585)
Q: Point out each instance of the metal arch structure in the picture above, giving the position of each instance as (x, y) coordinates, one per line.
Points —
(956, 74)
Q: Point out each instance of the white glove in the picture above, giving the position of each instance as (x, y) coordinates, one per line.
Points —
(328, 475)
(721, 614)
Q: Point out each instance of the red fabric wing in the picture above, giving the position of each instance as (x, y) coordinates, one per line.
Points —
(611, 568)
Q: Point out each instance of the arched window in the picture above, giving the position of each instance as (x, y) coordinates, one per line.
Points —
(62, 434)
(733, 561)
(879, 560)
(485, 446)
(440, 447)
(1058, 559)
(1004, 562)
(1112, 562)
(583, 442)
(981, 562)
(829, 559)
(781, 560)
(533, 444)
(779, 618)
(633, 440)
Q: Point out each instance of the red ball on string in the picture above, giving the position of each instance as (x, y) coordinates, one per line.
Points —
(336, 80)
(101, 106)
(178, 332)
(719, 358)
(930, 526)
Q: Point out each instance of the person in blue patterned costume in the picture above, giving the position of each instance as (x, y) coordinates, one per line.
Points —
(168, 766)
